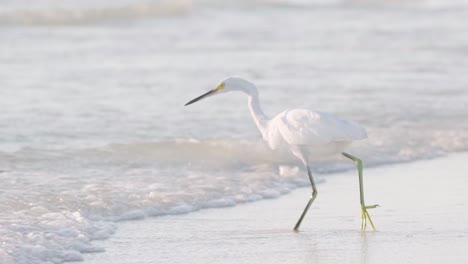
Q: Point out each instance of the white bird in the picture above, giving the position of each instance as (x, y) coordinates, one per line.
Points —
(306, 133)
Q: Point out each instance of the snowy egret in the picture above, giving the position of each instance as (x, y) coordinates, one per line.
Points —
(306, 133)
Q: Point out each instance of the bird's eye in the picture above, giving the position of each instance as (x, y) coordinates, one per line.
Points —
(220, 86)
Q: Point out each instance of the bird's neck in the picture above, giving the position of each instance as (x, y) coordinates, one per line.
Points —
(260, 119)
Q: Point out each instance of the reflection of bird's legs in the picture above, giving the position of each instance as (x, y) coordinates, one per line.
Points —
(311, 200)
(364, 214)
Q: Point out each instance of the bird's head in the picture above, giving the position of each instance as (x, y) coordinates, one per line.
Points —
(228, 85)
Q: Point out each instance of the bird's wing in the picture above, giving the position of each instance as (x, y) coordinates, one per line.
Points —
(305, 127)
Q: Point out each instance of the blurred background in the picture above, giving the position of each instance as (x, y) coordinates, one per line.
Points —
(92, 123)
(90, 73)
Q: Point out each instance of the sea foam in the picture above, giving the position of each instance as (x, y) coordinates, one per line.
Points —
(53, 214)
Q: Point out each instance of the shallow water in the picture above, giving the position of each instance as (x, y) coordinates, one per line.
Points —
(93, 128)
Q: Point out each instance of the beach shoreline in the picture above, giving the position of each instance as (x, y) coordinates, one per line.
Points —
(422, 219)
(95, 135)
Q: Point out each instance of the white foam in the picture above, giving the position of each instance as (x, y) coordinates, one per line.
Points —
(39, 235)
(65, 208)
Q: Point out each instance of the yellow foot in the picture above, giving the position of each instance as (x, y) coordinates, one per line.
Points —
(365, 216)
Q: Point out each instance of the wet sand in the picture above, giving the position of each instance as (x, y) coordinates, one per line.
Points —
(423, 218)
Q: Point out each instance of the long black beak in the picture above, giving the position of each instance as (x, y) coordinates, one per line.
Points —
(200, 97)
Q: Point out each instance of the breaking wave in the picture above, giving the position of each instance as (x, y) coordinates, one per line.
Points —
(55, 13)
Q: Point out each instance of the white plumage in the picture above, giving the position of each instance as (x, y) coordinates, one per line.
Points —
(305, 133)
(321, 133)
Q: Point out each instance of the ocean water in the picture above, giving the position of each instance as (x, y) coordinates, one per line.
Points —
(92, 125)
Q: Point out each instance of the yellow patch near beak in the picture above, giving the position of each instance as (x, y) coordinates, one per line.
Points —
(219, 87)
